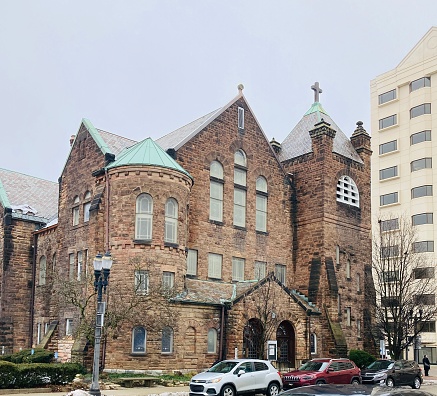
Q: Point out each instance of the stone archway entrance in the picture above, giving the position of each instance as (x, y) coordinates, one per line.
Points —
(252, 339)
(286, 339)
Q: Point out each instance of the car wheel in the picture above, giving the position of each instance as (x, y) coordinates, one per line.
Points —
(390, 382)
(416, 384)
(273, 389)
(227, 390)
(355, 381)
(320, 382)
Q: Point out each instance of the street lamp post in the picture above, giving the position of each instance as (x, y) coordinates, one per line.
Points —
(102, 268)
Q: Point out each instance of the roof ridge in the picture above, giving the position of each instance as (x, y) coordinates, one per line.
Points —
(25, 174)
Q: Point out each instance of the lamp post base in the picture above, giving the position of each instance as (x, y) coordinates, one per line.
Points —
(94, 392)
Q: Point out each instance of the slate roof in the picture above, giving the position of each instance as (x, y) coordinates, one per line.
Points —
(181, 135)
(298, 141)
(116, 143)
(146, 152)
(29, 195)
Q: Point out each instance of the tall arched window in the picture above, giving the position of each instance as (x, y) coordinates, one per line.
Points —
(216, 191)
(86, 207)
(313, 343)
(240, 173)
(347, 191)
(261, 204)
(139, 336)
(42, 270)
(167, 340)
(212, 341)
(144, 217)
(76, 210)
(171, 221)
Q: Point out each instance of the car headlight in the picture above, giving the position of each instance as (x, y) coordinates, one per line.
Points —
(214, 380)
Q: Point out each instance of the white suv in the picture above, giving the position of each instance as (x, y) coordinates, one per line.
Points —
(238, 376)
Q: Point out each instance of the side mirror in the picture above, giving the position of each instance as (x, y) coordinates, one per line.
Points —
(240, 372)
(330, 370)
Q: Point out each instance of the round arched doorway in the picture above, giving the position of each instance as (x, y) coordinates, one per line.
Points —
(286, 338)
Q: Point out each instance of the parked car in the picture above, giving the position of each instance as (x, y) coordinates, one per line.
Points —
(353, 390)
(238, 376)
(323, 371)
(376, 372)
(404, 372)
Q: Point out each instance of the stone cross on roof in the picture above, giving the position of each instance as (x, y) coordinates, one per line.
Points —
(317, 90)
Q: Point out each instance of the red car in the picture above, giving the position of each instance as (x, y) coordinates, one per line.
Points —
(323, 371)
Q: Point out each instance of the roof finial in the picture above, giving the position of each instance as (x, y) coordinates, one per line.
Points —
(317, 90)
(240, 88)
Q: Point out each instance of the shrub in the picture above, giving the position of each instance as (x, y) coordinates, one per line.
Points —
(25, 356)
(361, 358)
(8, 374)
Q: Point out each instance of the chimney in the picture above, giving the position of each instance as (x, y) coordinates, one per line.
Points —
(72, 137)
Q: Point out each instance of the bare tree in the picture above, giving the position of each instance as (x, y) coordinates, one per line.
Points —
(404, 283)
(147, 298)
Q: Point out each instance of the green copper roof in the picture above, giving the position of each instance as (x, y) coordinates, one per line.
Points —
(316, 107)
(96, 136)
(146, 152)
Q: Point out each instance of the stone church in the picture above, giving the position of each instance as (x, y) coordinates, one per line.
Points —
(222, 242)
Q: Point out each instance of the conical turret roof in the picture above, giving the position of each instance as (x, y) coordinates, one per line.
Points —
(146, 152)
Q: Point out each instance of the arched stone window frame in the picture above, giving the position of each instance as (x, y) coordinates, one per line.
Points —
(42, 270)
(86, 206)
(240, 188)
(139, 340)
(313, 343)
(167, 340)
(212, 340)
(347, 191)
(75, 211)
(144, 217)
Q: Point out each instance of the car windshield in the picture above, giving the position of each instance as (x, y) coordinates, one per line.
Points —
(380, 365)
(222, 367)
(313, 366)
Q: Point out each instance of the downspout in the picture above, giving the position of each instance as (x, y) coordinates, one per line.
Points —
(222, 329)
(32, 293)
(103, 357)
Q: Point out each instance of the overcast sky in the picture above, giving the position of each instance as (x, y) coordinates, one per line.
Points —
(144, 68)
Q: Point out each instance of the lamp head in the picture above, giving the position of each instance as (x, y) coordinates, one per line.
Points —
(107, 261)
(97, 262)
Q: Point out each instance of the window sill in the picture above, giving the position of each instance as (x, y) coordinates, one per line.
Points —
(262, 233)
(388, 102)
(170, 354)
(138, 354)
(142, 241)
(388, 179)
(389, 127)
(216, 222)
(171, 244)
(239, 228)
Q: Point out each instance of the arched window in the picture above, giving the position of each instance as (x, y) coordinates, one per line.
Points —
(76, 210)
(139, 335)
(313, 343)
(144, 217)
(261, 204)
(86, 207)
(240, 173)
(171, 221)
(167, 340)
(347, 191)
(216, 191)
(42, 270)
(212, 341)
(54, 262)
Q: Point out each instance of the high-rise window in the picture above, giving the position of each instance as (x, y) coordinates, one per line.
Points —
(237, 269)
(261, 204)
(240, 172)
(422, 218)
(389, 225)
(216, 191)
(419, 137)
(388, 121)
(423, 246)
(215, 265)
(388, 173)
(421, 191)
(144, 217)
(420, 83)
(421, 163)
(387, 96)
(171, 221)
(424, 273)
(388, 199)
(388, 147)
(417, 111)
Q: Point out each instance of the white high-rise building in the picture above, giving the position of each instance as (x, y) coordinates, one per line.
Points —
(404, 144)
